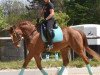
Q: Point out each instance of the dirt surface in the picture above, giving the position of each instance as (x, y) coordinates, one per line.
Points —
(52, 71)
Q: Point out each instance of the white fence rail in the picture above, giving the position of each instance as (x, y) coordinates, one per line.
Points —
(5, 38)
(88, 37)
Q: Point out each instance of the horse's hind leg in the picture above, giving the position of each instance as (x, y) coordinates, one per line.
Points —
(38, 62)
(27, 60)
(85, 59)
(64, 54)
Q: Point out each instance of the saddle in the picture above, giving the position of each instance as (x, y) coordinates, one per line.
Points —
(57, 35)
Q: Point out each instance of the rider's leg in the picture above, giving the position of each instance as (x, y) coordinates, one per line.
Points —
(50, 32)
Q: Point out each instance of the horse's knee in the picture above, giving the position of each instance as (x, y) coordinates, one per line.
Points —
(65, 62)
(64, 54)
(86, 60)
(84, 57)
(38, 61)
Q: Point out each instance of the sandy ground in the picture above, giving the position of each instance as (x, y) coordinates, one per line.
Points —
(52, 71)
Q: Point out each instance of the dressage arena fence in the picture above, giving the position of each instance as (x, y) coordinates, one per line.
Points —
(9, 52)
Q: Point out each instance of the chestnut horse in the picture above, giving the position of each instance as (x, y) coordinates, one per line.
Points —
(71, 39)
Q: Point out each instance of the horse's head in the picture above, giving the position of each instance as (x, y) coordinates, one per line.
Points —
(25, 29)
(16, 35)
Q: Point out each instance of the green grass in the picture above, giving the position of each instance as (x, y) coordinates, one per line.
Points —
(47, 64)
(80, 63)
(10, 65)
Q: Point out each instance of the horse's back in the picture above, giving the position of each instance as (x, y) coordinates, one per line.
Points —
(70, 31)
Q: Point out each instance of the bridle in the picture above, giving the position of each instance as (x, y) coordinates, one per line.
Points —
(17, 36)
(20, 38)
(31, 33)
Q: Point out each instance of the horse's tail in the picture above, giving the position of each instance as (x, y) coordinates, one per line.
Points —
(89, 50)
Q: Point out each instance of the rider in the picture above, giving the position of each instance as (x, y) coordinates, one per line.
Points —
(48, 13)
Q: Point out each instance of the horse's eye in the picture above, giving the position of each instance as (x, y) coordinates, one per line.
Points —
(14, 33)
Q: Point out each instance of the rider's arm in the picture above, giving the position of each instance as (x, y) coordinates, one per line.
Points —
(51, 14)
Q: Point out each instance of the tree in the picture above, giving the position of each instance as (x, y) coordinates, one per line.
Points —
(3, 23)
(14, 10)
(82, 11)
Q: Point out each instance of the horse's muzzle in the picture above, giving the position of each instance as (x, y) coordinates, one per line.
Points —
(18, 45)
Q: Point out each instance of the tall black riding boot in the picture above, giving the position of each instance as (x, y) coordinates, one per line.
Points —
(49, 40)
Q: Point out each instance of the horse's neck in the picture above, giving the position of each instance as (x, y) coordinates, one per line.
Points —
(27, 30)
(30, 34)
(33, 40)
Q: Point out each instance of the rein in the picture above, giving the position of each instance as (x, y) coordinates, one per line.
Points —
(31, 33)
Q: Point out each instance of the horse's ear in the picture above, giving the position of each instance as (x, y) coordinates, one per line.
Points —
(10, 30)
(14, 26)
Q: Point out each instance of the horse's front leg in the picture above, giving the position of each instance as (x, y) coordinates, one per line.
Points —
(27, 60)
(38, 62)
(64, 53)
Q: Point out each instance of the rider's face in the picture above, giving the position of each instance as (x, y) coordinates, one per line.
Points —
(46, 1)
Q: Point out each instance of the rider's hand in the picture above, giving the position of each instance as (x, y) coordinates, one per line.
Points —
(44, 20)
